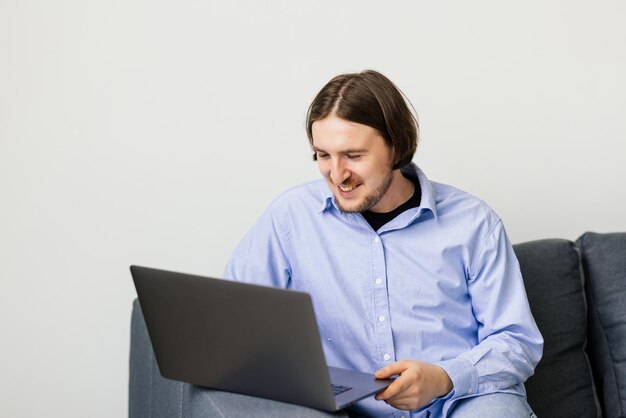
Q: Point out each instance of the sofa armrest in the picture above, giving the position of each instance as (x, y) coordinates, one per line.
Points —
(149, 394)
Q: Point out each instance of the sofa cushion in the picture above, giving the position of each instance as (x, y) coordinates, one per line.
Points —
(604, 261)
(562, 385)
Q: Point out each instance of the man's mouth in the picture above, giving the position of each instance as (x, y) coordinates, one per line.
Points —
(346, 188)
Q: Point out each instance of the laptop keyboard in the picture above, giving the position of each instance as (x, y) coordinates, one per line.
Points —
(339, 389)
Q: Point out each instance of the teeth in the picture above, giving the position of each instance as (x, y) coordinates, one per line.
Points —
(346, 189)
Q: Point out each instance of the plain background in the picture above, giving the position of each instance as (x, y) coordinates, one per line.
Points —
(156, 132)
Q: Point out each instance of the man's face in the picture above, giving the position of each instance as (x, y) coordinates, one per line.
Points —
(356, 162)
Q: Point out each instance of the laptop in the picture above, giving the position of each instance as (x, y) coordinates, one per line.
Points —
(243, 338)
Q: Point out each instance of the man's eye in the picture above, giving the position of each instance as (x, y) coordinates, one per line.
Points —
(354, 156)
(322, 156)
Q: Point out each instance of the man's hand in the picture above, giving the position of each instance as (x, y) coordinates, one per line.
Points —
(418, 384)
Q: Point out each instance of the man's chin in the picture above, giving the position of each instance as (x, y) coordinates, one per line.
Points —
(350, 207)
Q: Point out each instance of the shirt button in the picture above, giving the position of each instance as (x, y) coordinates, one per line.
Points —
(381, 318)
(386, 357)
(379, 281)
(376, 240)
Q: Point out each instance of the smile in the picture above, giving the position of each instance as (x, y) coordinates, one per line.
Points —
(347, 189)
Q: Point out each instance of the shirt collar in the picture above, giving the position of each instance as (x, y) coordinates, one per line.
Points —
(429, 195)
(412, 171)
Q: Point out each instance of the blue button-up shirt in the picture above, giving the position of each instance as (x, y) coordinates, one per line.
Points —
(439, 283)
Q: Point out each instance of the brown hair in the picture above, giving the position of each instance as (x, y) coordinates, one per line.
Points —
(371, 99)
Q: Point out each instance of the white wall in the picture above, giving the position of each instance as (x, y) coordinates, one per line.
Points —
(155, 132)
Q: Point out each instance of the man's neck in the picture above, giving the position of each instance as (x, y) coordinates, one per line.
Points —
(400, 191)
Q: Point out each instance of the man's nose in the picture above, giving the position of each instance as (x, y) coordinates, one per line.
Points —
(339, 172)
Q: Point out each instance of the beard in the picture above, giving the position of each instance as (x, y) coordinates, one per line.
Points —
(369, 200)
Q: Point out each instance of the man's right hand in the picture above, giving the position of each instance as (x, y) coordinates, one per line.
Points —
(417, 385)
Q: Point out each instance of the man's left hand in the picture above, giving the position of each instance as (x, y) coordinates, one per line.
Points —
(418, 383)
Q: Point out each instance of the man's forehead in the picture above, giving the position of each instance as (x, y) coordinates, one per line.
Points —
(339, 134)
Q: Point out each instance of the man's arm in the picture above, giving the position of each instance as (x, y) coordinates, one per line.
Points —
(509, 348)
(261, 256)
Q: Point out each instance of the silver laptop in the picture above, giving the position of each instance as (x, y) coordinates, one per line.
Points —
(249, 339)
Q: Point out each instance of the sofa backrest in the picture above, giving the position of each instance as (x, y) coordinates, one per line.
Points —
(562, 385)
(604, 263)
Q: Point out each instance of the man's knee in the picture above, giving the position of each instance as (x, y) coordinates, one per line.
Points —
(494, 405)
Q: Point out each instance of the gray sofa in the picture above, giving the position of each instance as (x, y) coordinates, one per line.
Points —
(577, 292)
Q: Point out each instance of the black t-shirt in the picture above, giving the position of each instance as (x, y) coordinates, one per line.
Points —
(377, 219)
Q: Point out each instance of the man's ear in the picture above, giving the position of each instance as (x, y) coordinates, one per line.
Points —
(394, 160)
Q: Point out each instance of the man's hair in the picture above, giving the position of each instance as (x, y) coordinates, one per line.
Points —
(371, 99)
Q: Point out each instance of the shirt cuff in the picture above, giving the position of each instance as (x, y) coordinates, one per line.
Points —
(463, 375)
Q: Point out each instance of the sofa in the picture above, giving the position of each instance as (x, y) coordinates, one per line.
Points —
(577, 293)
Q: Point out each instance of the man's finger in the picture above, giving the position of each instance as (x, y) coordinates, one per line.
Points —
(395, 368)
(393, 389)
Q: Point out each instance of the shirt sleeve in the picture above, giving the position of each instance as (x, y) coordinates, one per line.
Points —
(510, 344)
(261, 256)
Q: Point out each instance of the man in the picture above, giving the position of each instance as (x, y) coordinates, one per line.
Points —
(409, 278)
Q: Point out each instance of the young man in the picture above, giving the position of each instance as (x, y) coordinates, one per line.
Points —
(409, 278)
